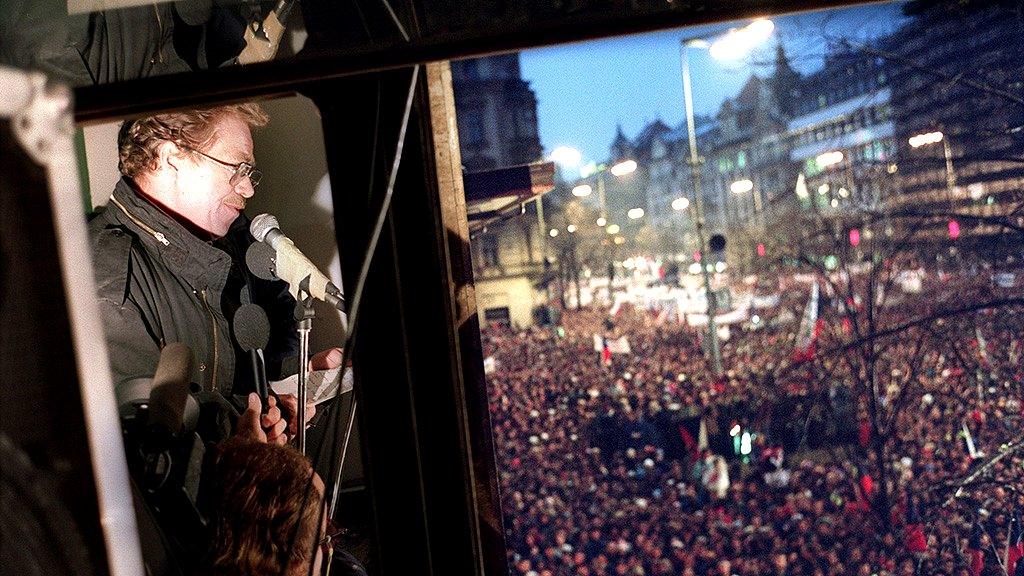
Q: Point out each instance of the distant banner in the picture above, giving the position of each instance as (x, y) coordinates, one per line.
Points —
(770, 301)
(620, 346)
(733, 317)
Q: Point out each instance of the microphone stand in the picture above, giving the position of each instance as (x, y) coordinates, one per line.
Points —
(304, 315)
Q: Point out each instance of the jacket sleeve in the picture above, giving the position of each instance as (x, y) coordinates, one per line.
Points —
(133, 345)
(133, 349)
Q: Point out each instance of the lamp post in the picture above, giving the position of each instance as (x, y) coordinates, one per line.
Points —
(733, 45)
(919, 140)
(572, 158)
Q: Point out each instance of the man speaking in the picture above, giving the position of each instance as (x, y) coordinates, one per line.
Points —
(169, 257)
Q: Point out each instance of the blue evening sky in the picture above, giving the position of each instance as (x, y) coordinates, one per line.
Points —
(584, 90)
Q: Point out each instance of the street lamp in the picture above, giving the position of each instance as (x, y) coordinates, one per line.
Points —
(919, 140)
(680, 203)
(741, 186)
(582, 191)
(733, 45)
(635, 213)
(829, 159)
(623, 168)
(744, 186)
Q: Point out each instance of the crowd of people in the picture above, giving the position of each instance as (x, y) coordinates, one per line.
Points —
(945, 402)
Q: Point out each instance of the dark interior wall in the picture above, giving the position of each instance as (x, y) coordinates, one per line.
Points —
(41, 404)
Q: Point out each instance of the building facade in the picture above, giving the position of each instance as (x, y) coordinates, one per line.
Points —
(496, 113)
(957, 71)
(841, 138)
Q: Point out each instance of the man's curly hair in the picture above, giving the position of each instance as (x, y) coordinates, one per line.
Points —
(138, 140)
(267, 510)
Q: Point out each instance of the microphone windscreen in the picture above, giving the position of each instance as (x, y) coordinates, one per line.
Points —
(168, 400)
(261, 225)
(251, 327)
(259, 258)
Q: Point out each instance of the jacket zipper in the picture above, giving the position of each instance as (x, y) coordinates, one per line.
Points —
(158, 235)
(213, 324)
(160, 40)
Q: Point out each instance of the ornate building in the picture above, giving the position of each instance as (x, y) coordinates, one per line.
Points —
(497, 113)
(497, 120)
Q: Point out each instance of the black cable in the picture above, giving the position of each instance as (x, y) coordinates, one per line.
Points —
(349, 345)
(335, 461)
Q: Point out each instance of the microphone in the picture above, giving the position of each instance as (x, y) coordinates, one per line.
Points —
(252, 332)
(292, 266)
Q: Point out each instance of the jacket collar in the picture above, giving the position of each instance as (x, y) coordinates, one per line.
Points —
(196, 259)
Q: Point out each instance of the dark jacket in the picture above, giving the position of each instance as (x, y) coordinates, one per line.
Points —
(97, 47)
(159, 283)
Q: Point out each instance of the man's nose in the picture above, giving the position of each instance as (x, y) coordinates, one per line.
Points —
(245, 188)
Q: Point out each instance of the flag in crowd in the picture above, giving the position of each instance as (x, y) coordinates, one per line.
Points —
(1014, 543)
(982, 347)
(970, 441)
(810, 328)
(974, 551)
(914, 532)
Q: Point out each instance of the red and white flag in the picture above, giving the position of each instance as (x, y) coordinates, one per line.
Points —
(810, 328)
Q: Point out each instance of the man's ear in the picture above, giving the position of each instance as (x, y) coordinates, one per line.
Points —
(169, 155)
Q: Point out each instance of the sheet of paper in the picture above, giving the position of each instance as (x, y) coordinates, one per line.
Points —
(323, 384)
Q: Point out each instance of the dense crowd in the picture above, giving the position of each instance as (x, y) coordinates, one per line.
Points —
(575, 503)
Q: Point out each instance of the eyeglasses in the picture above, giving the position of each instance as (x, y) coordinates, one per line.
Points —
(240, 170)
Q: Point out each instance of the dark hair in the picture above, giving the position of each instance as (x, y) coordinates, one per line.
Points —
(267, 510)
(137, 140)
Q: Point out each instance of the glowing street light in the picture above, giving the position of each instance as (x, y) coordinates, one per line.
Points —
(738, 42)
(566, 156)
(601, 221)
(829, 159)
(623, 168)
(741, 186)
(680, 203)
(582, 191)
(553, 232)
(570, 228)
(613, 229)
(635, 213)
(733, 45)
(620, 240)
(919, 140)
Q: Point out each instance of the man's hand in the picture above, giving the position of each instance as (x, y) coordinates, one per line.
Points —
(249, 421)
(269, 427)
(272, 422)
(291, 407)
(326, 360)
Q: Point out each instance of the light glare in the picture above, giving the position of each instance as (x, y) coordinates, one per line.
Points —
(582, 191)
(925, 139)
(741, 186)
(566, 156)
(623, 168)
